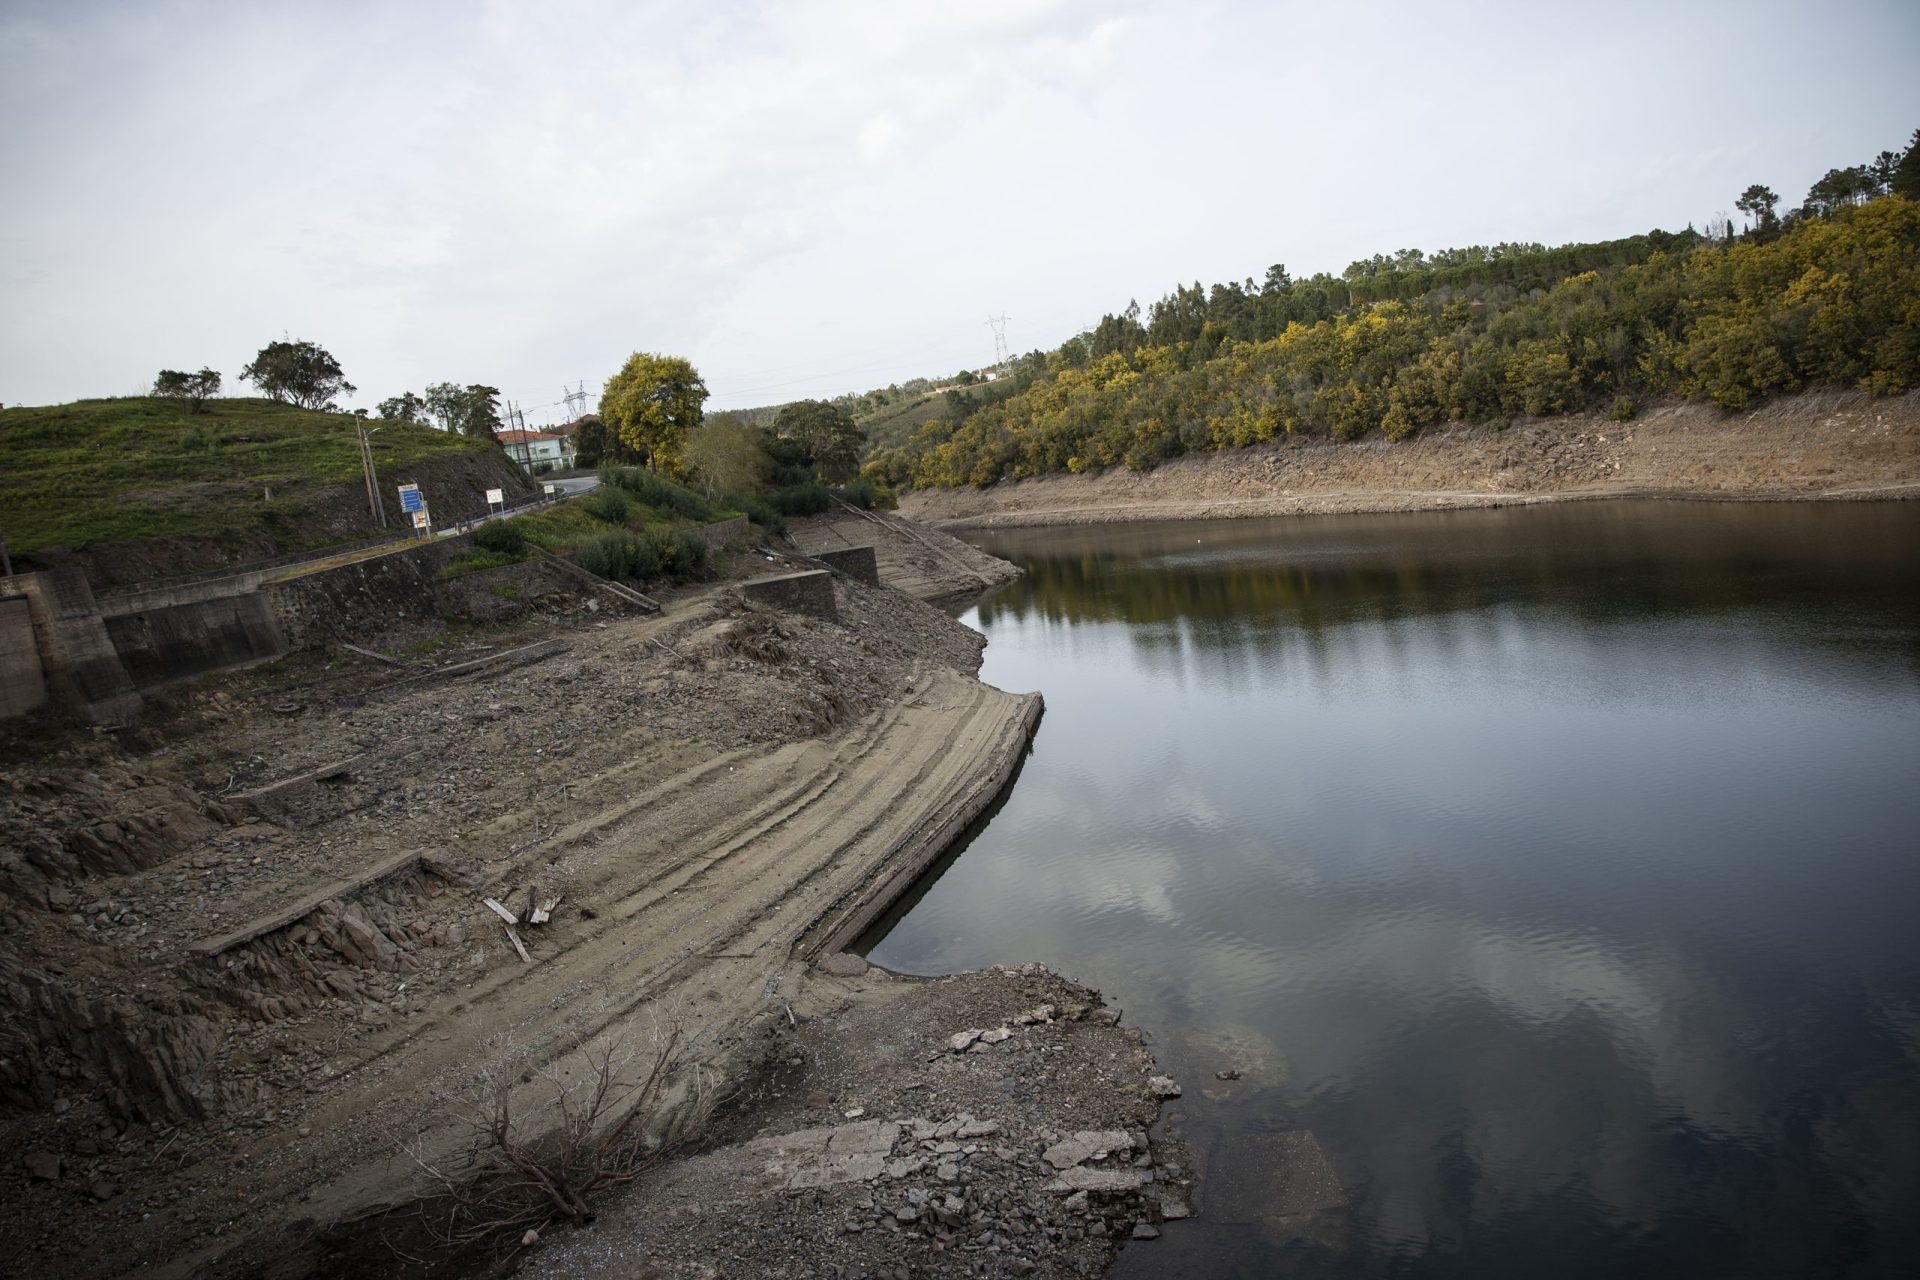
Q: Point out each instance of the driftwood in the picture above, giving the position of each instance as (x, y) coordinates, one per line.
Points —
(504, 912)
(514, 938)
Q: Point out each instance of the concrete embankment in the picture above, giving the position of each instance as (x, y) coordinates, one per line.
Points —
(1830, 445)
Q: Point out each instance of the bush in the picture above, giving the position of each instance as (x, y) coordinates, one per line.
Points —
(869, 494)
(639, 558)
(1622, 409)
(657, 491)
(502, 537)
(758, 510)
(607, 503)
(808, 499)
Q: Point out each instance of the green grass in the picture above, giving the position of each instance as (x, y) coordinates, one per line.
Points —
(109, 471)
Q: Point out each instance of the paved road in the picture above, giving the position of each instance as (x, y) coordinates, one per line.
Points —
(573, 484)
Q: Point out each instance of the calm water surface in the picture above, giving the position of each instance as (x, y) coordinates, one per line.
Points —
(1556, 869)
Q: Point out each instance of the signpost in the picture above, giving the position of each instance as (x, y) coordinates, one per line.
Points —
(414, 503)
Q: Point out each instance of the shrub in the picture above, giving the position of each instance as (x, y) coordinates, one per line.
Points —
(1622, 409)
(607, 503)
(502, 537)
(656, 491)
(807, 499)
(869, 493)
(761, 512)
(626, 556)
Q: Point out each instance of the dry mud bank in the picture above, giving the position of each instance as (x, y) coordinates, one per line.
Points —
(1831, 445)
(985, 1124)
(248, 969)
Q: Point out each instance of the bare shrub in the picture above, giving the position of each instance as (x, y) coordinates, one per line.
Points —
(529, 1161)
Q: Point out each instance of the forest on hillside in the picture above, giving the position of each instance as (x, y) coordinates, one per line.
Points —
(1825, 295)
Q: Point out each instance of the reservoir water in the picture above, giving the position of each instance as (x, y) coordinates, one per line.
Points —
(1551, 876)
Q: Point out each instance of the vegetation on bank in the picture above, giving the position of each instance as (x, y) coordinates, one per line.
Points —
(146, 468)
(637, 527)
(1827, 294)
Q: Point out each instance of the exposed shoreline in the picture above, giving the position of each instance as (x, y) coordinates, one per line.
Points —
(720, 798)
(1831, 446)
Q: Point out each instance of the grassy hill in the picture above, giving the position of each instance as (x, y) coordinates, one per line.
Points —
(137, 488)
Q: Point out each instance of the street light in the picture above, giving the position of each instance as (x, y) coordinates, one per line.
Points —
(375, 506)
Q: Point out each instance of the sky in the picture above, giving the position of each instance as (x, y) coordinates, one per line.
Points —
(810, 198)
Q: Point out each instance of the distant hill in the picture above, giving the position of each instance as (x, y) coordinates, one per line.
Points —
(138, 488)
(1828, 296)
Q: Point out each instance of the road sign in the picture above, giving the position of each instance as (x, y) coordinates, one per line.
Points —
(420, 519)
(410, 499)
(495, 498)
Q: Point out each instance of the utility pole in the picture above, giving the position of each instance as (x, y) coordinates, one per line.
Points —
(375, 506)
(999, 326)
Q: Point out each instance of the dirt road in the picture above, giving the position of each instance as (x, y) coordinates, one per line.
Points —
(1836, 445)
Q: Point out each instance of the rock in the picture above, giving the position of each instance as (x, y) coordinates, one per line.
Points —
(1229, 1074)
(818, 1098)
(1174, 1206)
(947, 1171)
(1162, 1087)
(1023, 1266)
(994, 1036)
(43, 1165)
(1104, 1017)
(1087, 1144)
(961, 1041)
(854, 1113)
(530, 1239)
(906, 1213)
(1081, 1178)
(977, 1129)
(1145, 1231)
(101, 1190)
(843, 964)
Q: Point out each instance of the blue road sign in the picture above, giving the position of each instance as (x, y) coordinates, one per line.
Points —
(410, 497)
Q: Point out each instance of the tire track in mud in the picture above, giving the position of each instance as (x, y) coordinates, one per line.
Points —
(698, 922)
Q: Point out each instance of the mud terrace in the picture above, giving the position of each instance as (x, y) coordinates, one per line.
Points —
(261, 952)
(1832, 445)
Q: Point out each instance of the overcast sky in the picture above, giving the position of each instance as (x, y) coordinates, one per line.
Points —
(805, 199)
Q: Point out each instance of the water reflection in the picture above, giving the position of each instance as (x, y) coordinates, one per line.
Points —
(1553, 868)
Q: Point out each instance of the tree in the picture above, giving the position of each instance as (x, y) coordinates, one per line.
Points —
(1839, 189)
(405, 407)
(827, 433)
(472, 410)
(301, 373)
(192, 389)
(1906, 174)
(1758, 202)
(725, 453)
(652, 404)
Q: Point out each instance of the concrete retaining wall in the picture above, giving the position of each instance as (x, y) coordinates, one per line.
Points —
(81, 674)
(23, 685)
(170, 643)
(855, 562)
(810, 592)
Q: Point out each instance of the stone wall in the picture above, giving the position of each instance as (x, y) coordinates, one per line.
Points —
(810, 592)
(389, 599)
